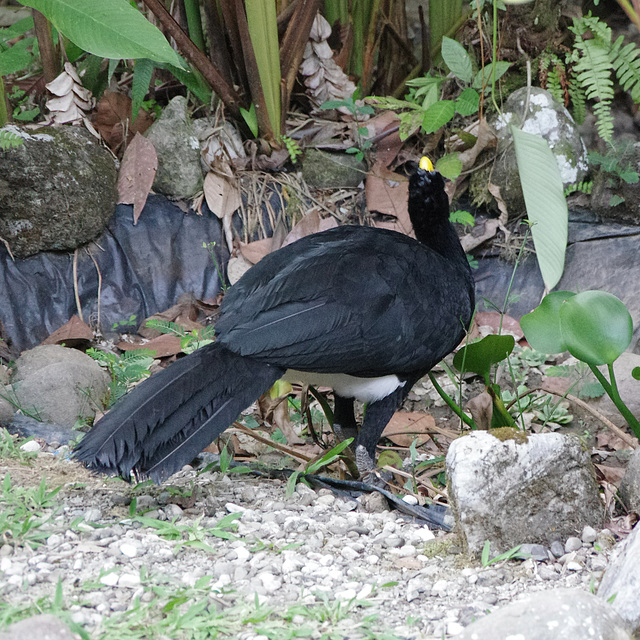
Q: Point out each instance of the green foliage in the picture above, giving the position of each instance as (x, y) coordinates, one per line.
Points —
(613, 163)
(594, 326)
(462, 217)
(125, 369)
(9, 140)
(514, 553)
(190, 341)
(546, 205)
(480, 356)
(363, 145)
(10, 448)
(113, 29)
(19, 55)
(251, 119)
(23, 512)
(142, 72)
(315, 465)
(584, 186)
(293, 148)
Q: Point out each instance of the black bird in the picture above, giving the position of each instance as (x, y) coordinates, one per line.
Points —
(365, 311)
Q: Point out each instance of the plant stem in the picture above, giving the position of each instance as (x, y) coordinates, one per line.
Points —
(451, 403)
(612, 392)
(4, 112)
(194, 22)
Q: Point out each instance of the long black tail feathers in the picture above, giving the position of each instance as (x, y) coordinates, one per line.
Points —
(164, 422)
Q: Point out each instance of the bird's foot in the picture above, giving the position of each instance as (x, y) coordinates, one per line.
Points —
(369, 473)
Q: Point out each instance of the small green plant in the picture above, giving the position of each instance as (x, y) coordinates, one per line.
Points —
(192, 534)
(125, 323)
(190, 341)
(313, 467)
(9, 140)
(462, 217)
(125, 369)
(293, 148)
(362, 144)
(512, 554)
(21, 512)
(10, 447)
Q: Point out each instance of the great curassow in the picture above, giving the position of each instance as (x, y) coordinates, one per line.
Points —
(362, 310)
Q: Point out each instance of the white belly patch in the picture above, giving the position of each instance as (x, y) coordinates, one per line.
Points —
(363, 389)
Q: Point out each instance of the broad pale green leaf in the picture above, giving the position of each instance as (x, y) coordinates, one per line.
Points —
(541, 327)
(468, 102)
(483, 78)
(546, 205)
(437, 115)
(449, 166)
(596, 327)
(263, 29)
(107, 28)
(457, 59)
(479, 356)
(16, 57)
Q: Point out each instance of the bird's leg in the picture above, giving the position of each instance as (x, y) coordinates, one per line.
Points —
(376, 417)
(344, 419)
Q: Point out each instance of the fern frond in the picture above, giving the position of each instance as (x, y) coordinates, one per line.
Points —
(604, 119)
(9, 140)
(626, 62)
(554, 85)
(578, 101)
(599, 30)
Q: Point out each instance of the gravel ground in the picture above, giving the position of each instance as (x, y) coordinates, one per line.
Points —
(287, 566)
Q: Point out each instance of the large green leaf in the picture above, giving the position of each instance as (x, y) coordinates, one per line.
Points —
(479, 356)
(263, 29)
(107, 28)
(457, 59)
(437, 115)
(546, 205)
(541, 327)
(596, 327)
(593, 326)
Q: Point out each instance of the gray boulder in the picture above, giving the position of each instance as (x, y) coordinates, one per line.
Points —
(621, 580)
(547, 118)
(59, 385)
(561, 614)
(519, 490)
(630, 486)
(176, 143)
(57, 190)
(324, 170)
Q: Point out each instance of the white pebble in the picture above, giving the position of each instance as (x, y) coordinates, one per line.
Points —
(589, 534)
(346, 594)
(234, 508)
(30, 446)
(129, 550)
(573, 566)
(129, 580)
(410, 499)
(270, 582)
(111, 579)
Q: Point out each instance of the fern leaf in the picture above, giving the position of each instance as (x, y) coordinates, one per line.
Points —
(578, 100)
(554, 85)
(604, 119)
(627, 67)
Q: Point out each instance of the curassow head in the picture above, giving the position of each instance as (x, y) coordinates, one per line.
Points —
(427, 197)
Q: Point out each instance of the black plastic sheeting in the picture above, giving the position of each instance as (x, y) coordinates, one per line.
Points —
(145, 269)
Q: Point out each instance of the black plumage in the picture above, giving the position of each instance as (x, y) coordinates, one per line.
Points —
(365, 302)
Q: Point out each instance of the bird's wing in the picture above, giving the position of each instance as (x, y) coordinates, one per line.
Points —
(350, 300)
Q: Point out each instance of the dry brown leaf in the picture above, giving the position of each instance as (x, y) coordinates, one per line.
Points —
(255, 251)
(480, 234)
(485, 138)
(612, 475)
(164, 345)
(184, 313)
(481, 409)
(492, 322)
(113, 119)
(137, 172)
(389, 198)
(310, 223)
(611, 441)
(405, 426)
(223, 197)
(73, 333)
(494, 190)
